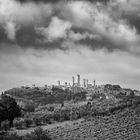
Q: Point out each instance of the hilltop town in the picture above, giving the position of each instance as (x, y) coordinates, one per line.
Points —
(60, 109)
(69, 91)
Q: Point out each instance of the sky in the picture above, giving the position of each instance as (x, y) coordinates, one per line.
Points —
(43, 41)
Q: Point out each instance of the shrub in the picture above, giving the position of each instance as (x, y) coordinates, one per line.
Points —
(12, 136)
(57, 115)
(18, 123)
(28, 122)
(75, 113)
(84, 111)
(29, 107)
(37, 121)
(38, 134)
(51, 108)
(61, 114)
(5, 125)
(64, 114)
(47, 118)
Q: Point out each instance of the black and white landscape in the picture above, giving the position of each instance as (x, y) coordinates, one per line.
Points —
(69, 69)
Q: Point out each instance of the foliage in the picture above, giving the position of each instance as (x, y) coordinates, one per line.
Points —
(9, 109)
(37, 121)
(47, 118)
(77, 98)
(80, 95)
(112, 87)
(61, 114)
(29, 107)
(18, 123)
(38, 134)
(28, 122)
(5, 125)
(43, 97)
(48, 114)
(95, 108)
(10, 136)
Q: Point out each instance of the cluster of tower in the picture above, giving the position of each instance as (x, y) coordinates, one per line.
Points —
(77, 82)
(85, 82)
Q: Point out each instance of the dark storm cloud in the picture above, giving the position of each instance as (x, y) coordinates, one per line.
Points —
(3, 37)
(127, 10)
(54, 1)
(134, 21)
(47, 24)
(26, 38)
(44, 1)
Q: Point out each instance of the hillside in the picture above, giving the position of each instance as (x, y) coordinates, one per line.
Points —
(124, 125)
(42, 96)
(30, 95)
(113, 113)
(45, 95)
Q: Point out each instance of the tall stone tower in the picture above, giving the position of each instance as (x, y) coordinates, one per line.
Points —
(58, 83)
(73, 81)
(78, 80)
(84, 83)
(94, 83)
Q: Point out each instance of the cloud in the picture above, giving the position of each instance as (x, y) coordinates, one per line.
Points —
(38, 1)
(62, 29)
(55, 1)
(97, 18)
(14, 14)
(10, 30)
(118, 33)
(27, 13)
(127, 10)
(78, 12)
(112, 25)
(57, 29)
(126, 6)
(82, 36)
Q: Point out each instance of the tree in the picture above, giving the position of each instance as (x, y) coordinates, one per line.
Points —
(60, 95)
(29, 107)
(3, 113)
(60, 98)
(76, 99)
(9, 109)
(116, 87)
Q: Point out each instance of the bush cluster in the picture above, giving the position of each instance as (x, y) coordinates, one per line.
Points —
(37, 134)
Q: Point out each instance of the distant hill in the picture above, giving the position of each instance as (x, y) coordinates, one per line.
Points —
(42, 96)
(38, 96)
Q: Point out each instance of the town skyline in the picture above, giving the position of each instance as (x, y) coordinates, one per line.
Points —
(45, 41)
(76, 80)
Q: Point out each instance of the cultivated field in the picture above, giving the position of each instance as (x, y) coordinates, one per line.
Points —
(120, 126)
